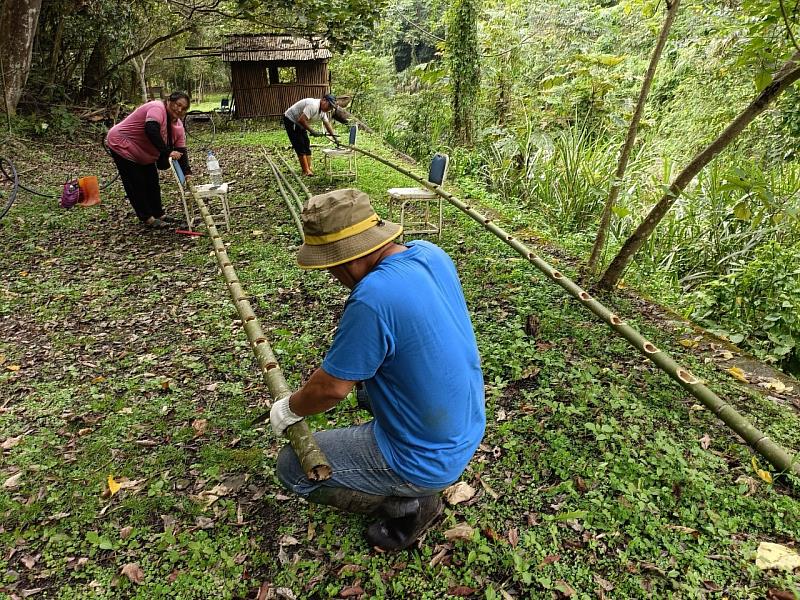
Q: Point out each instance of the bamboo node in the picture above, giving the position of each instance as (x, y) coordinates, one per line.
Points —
(686, 377)
(649, 348)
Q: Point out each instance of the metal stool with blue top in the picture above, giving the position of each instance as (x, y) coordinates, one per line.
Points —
(421, 217)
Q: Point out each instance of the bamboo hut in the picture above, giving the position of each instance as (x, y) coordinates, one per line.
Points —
(270, 72)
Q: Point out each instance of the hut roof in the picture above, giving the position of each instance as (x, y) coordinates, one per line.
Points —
(273, 47)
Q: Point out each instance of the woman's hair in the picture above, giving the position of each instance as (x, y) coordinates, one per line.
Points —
(175, 96)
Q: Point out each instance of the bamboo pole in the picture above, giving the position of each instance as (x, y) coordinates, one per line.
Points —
(292, 207)
(313, 461)
(296, 176)
(288, 186)
(758, 440)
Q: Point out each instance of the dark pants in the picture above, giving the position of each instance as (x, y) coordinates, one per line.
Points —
(298, 136)
(141, 186)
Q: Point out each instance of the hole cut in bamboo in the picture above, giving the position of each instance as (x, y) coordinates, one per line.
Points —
(558, 275)
(584, 296)
(615, 320)
(686, 377)
(649, 348)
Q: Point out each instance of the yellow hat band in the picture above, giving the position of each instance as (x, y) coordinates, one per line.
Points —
(319, 240)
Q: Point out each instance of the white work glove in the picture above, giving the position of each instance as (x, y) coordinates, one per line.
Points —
(281, 416)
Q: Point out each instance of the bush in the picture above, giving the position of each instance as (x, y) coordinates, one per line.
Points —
(758, 303)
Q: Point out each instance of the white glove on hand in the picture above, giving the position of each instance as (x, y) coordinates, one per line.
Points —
(281, 416)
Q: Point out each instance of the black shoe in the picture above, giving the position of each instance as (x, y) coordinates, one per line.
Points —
(402, 532)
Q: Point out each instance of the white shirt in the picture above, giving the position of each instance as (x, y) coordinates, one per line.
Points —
(308, 107)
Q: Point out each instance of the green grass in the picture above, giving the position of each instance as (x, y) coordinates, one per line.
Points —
(126, 341)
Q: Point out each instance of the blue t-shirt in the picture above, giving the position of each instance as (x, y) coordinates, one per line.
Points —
(406, 333)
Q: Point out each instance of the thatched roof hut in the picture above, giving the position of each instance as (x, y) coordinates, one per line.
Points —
(270, 72)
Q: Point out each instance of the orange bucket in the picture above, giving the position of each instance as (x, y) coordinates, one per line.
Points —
(90, 190)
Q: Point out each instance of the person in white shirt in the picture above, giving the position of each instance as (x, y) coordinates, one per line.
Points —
(297, 120)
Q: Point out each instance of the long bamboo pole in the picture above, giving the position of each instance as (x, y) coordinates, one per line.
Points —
(289, 204)
(314, 463)
(296, 176)
(758, 440)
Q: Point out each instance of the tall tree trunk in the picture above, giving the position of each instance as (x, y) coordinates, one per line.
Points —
(55, 56)
(789, 73)
(94, 76)
(627, 146)
(18, 22)
(464, 59)
(139, 65)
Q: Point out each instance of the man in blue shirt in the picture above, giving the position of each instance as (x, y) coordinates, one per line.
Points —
(406, 334)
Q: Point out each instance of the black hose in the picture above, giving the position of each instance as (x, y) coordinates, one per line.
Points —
(6, 166)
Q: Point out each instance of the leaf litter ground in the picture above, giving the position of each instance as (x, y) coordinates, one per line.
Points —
(121, 356)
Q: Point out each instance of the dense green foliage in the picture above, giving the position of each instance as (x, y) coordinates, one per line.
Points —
(558, 85)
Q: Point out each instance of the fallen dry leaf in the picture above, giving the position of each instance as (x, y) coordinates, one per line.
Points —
(765, 475)
(199, 426)
(13, 367)
(77, 563)
(776, 594)
(705, 442)
(458, 492)
(133, 572)
(113, 486)
(513, 537)
(462, 531)
(683, 529)
(738, 374)
(351, 591)
(125, 532)
(461, 590)
(488, 489)
(776, 556)
(688, 343)
(11, 442)
(288, 540)
(776, 385)
(566, 589)
(12, 482)
(29, 561)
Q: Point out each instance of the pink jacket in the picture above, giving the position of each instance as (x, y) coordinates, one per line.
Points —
(128, 138)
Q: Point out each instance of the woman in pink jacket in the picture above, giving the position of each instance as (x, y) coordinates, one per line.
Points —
(150, 135)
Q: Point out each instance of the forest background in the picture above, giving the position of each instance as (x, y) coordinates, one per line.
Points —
(531, 100)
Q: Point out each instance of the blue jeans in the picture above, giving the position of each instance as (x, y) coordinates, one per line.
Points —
(357, 464)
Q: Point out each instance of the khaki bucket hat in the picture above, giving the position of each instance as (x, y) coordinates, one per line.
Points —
(340, 226)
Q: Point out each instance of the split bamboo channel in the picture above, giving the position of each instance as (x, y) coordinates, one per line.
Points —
(313, 461)
(758, 440)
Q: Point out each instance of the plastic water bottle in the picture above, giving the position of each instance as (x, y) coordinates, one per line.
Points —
(214, 171)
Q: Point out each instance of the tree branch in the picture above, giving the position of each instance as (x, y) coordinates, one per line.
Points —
(155, 42)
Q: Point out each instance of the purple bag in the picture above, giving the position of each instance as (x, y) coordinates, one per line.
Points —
(71, 194)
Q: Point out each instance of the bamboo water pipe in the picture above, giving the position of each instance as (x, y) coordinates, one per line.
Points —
(758, 440)
(313, 461)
